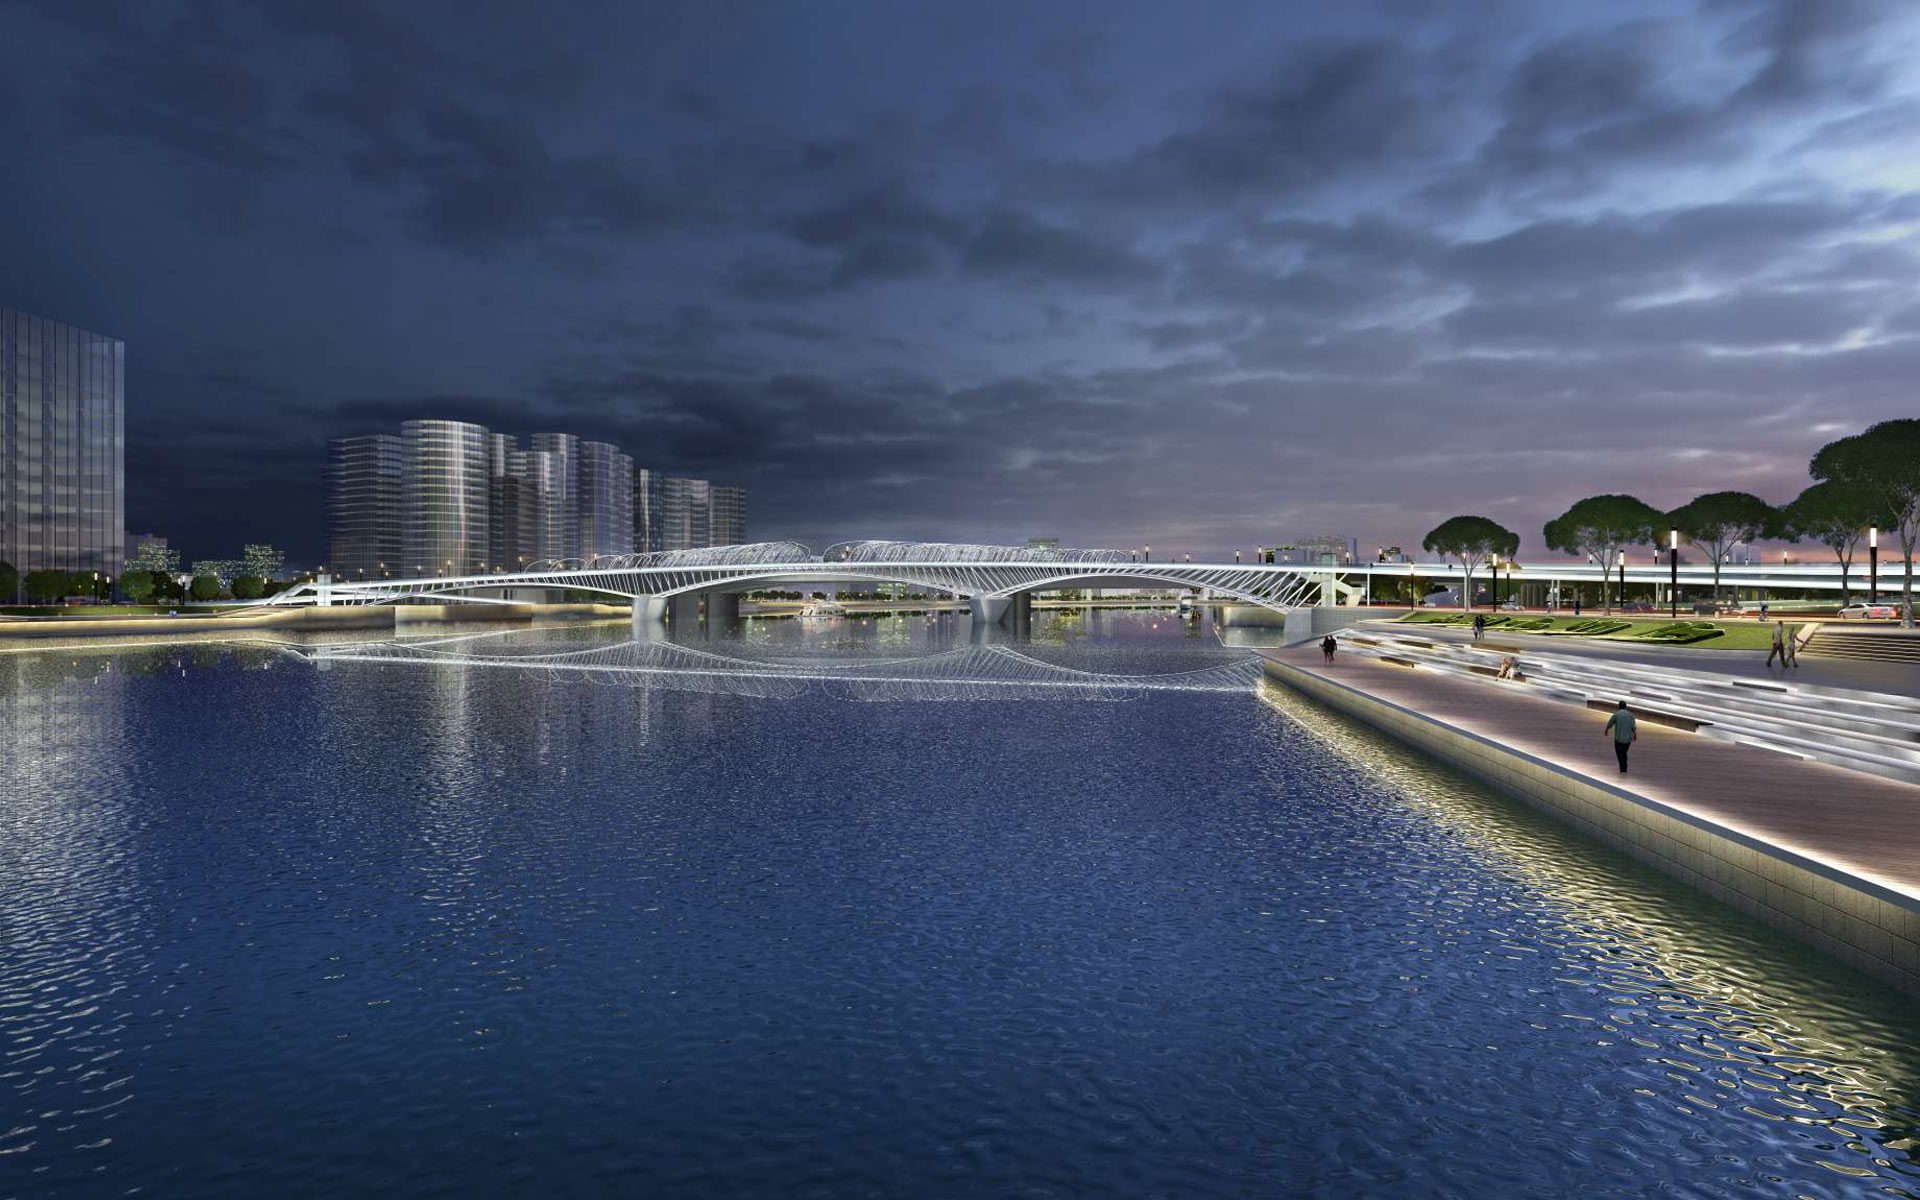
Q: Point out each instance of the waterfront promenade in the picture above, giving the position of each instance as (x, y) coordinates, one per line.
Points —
(1829, 855)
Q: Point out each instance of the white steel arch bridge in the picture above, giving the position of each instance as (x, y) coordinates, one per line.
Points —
(989, 578)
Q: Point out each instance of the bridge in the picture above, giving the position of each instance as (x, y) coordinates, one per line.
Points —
(996, 579)
(992, 579)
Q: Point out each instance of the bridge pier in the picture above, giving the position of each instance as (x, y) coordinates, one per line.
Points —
(649, 610)
(683, 612)
(988, 610)
(723, 609)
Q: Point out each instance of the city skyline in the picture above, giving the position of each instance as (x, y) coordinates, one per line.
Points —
(447, 497)
(1263, 270)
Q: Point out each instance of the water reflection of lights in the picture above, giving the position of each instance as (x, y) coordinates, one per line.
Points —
(965, 673)
(1721, 1011)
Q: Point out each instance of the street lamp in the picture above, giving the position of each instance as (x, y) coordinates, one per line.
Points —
(1673, 574)
(1146, 554)
(1236, 558)
(1623, 579)
(1873, 564)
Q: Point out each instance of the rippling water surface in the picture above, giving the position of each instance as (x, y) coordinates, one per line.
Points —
(858, 909)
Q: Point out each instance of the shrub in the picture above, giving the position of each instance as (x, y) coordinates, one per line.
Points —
(205, 587)
(248, 587)
(46, 585)
(1680, 633)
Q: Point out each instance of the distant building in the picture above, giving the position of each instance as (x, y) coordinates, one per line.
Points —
(364, 477)
(136, 540)
(604, 499)
(1391, 554)
(728, 526)
(62, 446)
(563, 535)
(444, 501)
(449, 497)
(1320, 550)
(1043, 543)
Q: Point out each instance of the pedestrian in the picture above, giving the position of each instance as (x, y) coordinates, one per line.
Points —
(1576, 606)
(1779, 650)
(1793, 648)
(1479, 626)
(1763, 610)
(1622, 728)
(1327, 645)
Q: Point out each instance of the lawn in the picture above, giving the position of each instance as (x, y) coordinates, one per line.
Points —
(1638, 631)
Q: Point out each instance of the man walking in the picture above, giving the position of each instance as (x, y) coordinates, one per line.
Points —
(1327, 645)
(1479, 626)
(1621, 727)
(1779, 650)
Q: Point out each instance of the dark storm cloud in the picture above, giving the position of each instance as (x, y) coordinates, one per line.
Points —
(1157, 275)
(1014, 244)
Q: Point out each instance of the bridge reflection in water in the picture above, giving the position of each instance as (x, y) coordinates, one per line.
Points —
(973, 672)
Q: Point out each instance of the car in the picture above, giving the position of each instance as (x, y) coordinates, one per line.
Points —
(1869, 612)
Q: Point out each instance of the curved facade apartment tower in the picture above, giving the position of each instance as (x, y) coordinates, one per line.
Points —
(604, 498)
(445, 499)
(62, 447)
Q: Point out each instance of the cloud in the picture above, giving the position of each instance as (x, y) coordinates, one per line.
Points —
(1017, 245)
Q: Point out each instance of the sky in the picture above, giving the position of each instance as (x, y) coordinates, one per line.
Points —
(1203, 276)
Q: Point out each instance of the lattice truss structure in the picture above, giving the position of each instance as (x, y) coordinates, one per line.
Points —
(972, 572)
(962, 674)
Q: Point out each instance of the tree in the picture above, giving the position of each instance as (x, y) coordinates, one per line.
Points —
(47, 585)
(1835, 514)
(137, 586)
(1884, 462)
(248, 587)
(1717, 521)
(9, 582)
(1599, 527)
(1471, 540)
(261, 561)
(205, 587)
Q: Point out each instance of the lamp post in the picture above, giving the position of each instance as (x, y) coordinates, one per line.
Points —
(1673, 574)
(1496, 583)
(1623, 580)
(1146, 554)
(1873, 564)
(1236, 558)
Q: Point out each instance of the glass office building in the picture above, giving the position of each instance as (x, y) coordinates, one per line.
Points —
(62, 446)
(444, 499)
(364, 477)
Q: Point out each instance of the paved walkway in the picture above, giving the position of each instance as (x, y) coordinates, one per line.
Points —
(1894, 679)
(1860, 824)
